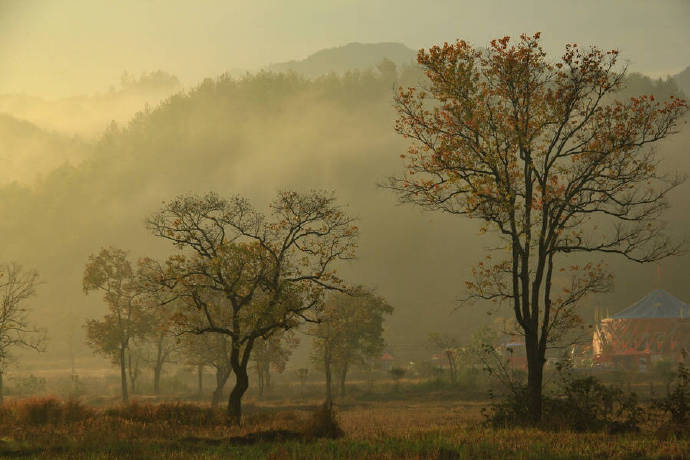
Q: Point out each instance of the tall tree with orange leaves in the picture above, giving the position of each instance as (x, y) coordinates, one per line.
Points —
(543, 154)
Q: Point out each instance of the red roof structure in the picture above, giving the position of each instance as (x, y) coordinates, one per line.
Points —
(655, 327)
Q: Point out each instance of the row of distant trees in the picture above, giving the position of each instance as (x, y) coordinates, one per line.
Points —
(238, 284)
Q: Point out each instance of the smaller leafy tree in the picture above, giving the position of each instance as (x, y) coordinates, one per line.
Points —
(17, 285)
(273, 352)
(448, 347)
(159, 348)
(677, 401)
(302, 374)
(397, 373)
(348, 333)
(136, 357)
(208, 350)
(111, 273)
(159, 344)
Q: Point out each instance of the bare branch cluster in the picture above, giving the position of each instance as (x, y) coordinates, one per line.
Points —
(17, 285)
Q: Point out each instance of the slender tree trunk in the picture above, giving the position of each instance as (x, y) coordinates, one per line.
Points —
(157, 370)
(267, 376)
(123, 375)
(133, 368)
(222, 375)
(260, 377)
(327, 369)
(200, 378)
(451, 367)
(343, 377)
(217, 395)
(535, 373)
(239, 368)
(2, 393)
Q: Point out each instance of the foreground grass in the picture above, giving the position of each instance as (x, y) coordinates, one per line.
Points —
(379, 430)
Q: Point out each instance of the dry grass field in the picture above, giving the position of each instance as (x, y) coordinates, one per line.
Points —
(49, 428)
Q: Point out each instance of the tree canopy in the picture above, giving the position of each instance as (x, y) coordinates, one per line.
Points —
(247, 275)
(537, 150)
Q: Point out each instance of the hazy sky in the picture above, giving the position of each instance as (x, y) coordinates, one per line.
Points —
(65, 47)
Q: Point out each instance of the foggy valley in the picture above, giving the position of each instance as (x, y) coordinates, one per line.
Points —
(313, 247)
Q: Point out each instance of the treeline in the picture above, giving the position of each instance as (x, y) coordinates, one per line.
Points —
(240, 281)
(86, 115)
(254, 136)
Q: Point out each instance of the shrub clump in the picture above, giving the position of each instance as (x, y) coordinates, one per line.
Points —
(174, 413)
(676, 404)
(50, 411)
(324, 423)
(580, 404)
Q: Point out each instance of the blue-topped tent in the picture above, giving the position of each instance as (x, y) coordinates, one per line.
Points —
(656, 304)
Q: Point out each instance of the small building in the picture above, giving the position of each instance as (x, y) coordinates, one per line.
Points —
(654, 328)
(513, 350)
(386, 361)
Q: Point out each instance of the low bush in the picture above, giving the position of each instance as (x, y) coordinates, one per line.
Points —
(578, 404)
(50, 411)
(324, 423)
(585, 404)
(676, 404)
(174, 413)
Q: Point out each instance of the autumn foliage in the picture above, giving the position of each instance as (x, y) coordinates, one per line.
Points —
(542, 153)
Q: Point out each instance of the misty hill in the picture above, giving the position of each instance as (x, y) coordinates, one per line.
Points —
(349, 57)
(682, 79)
(637, 84)
(28, 152)
(254, 136)
(88, 115)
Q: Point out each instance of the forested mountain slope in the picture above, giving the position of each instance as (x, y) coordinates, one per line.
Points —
(360, 56)
(254, 136)
(28, 152)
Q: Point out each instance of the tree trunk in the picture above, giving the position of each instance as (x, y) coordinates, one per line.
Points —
(221, 378)
(2, 393)
(157, 370)
(200, 377)
(451, 366)
(260, 377)
(343, 377)
(123, 375)
(327, 369)
(267, 376)
(235, 399)
(239, 368)
(535, 373)
(216, 397)
(133, 368)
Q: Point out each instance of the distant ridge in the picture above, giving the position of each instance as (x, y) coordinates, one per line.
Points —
(682, 79)
(28, 151)
(348, 57)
